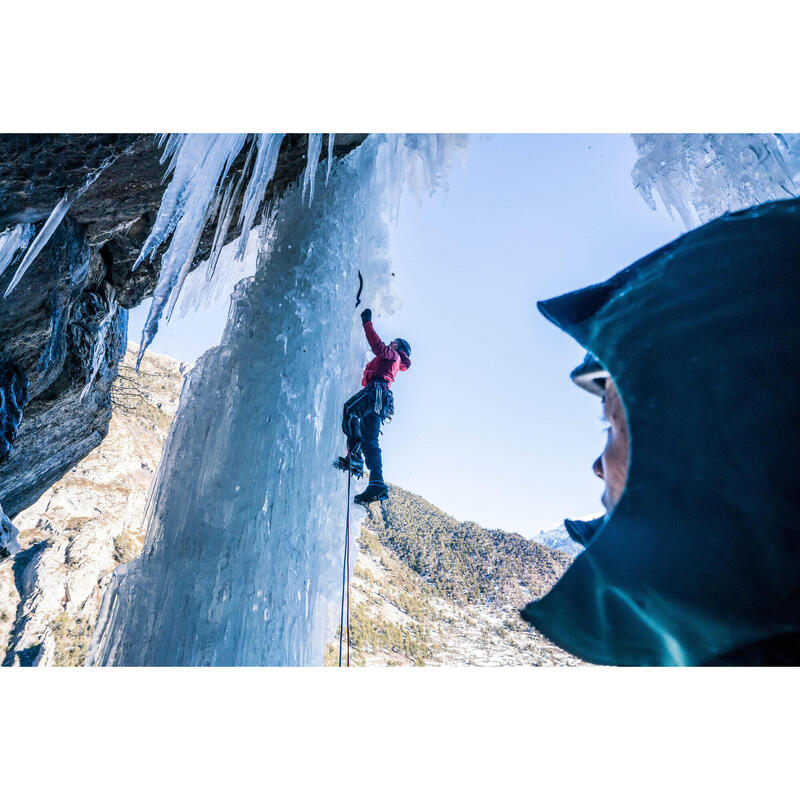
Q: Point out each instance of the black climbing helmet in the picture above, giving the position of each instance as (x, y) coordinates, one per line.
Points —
(404, 346)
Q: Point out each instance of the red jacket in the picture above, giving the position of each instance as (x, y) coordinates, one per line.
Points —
(388, 361)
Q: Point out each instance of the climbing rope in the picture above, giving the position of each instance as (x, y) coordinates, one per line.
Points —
(346, 560)
(348, 583)
(346, 572)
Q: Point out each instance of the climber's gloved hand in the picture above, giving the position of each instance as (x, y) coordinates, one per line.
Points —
(366, 315)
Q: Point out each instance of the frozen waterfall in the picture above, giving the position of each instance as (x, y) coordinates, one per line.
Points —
(242, 561)
(701, 176)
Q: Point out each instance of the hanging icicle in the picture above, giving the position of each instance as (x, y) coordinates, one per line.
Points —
(312, 159)
(49, 227)
(331, 137)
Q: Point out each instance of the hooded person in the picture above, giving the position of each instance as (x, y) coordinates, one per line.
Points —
(697, 561)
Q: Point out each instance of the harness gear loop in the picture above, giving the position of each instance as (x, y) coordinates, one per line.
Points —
(382, 400)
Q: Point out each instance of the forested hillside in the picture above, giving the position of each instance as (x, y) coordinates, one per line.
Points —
(428, 589)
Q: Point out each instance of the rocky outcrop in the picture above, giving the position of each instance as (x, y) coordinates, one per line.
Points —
(87, 524)
(49, 329)
(13, 398)
(63, 327)
(118, 209)
(8, 537)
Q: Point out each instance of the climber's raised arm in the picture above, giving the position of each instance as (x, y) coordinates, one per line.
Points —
(376, 344)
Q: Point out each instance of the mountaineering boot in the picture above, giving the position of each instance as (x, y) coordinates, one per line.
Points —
(373, 492)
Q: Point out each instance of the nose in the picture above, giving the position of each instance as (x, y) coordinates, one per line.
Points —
(597, 467)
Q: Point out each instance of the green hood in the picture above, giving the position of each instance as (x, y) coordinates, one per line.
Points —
(701, 556)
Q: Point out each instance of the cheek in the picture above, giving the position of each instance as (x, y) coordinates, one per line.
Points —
(616, 457)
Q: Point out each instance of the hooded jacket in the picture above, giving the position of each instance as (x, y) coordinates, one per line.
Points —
(387, 362)
(699, 562)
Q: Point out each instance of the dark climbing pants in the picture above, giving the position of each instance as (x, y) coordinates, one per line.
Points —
(362, 416)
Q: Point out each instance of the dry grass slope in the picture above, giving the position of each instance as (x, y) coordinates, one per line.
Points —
(430, 590)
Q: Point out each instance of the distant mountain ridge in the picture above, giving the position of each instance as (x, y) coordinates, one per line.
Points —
(558, 539)
(464, 561)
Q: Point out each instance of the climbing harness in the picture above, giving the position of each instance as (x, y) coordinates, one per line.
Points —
(384, 403)
(346, 573)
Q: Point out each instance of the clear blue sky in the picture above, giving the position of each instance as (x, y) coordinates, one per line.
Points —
(488, 425)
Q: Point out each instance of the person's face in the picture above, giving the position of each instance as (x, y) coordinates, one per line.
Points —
(393, 344)
(612, 465)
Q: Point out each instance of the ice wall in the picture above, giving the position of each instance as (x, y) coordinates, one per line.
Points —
(242, 562)
(701, 176)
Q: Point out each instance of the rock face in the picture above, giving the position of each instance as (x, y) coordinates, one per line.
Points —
(8, 537)
(13, 398)
(65, 322)
(49, 331)
(87, 524)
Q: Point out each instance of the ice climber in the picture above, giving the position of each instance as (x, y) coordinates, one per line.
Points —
(694, 352)
(364, 412)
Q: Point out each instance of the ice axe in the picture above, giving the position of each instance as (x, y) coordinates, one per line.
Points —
(360, 288)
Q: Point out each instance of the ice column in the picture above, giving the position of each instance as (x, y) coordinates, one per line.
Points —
(702, 176)
(242, 561)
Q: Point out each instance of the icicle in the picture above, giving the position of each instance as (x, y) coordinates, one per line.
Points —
(223, 217)
(331, 137)
(701, 176)
(13, 240)
(187, 265)
(202, 162)
(201, 290)
(221, 233)
(174, 266)
(173, 142)
(417, 161)
(269, 145)
(312, 159)
(99, 347)
(199, 164)
(53, 221)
